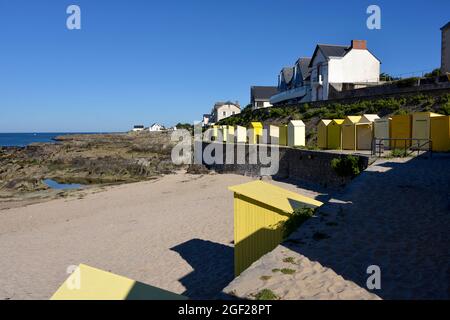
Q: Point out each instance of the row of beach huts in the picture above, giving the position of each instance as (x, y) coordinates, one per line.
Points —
(420, 130)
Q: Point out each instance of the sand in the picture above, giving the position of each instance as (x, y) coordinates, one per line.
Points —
(175, 233)
(395, 215)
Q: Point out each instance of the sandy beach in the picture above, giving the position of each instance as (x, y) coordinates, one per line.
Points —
(175, 233)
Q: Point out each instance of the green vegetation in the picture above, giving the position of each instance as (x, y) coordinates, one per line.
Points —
(398, 153)
(275, 270)
(287, 271)
(289, 260)
(297, 218)
(265, 278)
(266, 294)
(347, 166)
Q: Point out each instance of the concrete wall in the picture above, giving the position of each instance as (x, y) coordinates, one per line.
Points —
(297, 164)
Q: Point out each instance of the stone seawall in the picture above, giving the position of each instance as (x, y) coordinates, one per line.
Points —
(297, 164)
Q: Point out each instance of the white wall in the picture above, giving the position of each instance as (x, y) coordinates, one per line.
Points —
(228, 109)
(355, 66)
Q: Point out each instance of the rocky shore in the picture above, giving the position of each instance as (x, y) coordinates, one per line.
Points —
(97, 159)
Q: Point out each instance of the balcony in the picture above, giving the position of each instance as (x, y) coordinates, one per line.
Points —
(296, 93)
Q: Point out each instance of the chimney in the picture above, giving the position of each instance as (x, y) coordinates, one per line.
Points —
(359, 44)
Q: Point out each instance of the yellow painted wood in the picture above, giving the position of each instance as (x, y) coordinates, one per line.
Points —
(421, 126)
(349, 132)
(231, 136)
(283, 131)
(224, 131)
(440, 133)
(215, 132)
(322, 133)
(260, 209)
(334, 134)
(401, 128)
(88, 283)
(296, 133)
(257, 128)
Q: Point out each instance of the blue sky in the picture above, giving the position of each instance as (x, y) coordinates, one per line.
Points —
(141, 61)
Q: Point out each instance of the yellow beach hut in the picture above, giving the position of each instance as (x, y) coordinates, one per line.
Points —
(296, 133)
(215, 133)
(241, 134)
(283, 131)
(364, 131)
(88, 283)
(322, 133)
(260, 210)
(334, 134)
(224, 131)
(349, 132)
(440, 133)
(421, 128)
(230, 134)
(257, 133)
(401, 128)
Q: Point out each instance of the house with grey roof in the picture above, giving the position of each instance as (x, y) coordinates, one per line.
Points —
(445, 53)
(337, 68)
(260, 96)
(332, 68)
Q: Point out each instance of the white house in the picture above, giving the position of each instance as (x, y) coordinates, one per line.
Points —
(222, 110)
(156, 127)
(331, 68)
(138, 128)
(206, 120)
(342, 68)
(445, 54)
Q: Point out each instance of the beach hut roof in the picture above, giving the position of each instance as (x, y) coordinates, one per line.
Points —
(325, 121)
(297, 123)
(273, 196)
(369, 118)
(338, 121)
(256, 124)
(352, 119)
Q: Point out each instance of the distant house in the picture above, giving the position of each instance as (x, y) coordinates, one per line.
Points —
(222, 110)
(294, 83)
(156, 127)
(260, 96)
(445, 54)
(138, 127)
(332, 68)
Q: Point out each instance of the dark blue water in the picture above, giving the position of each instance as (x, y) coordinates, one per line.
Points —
(24, 139)
(61, 186)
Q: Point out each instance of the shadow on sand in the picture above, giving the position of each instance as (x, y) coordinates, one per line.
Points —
(396, 217)
(213, 265)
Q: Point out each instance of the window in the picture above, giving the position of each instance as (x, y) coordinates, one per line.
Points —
(233, 112)
(259, 104)
(224, 113)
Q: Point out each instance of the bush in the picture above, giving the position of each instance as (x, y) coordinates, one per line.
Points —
(398, 153)
(298, 217)
(347, 166)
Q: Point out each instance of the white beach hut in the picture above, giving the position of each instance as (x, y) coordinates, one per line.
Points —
(240, 134)
(296, 133)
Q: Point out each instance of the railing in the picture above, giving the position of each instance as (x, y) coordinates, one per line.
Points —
(406, 144)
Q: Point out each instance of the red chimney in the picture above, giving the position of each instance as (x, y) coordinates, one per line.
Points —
(359, 44)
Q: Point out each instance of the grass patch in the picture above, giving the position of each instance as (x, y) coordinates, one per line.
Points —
(265, 278)
(287, 271)
(276, 270)
(289, 260)
(266, 294)
(398, 153)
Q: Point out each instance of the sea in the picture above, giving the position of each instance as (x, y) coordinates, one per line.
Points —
(25, 139)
